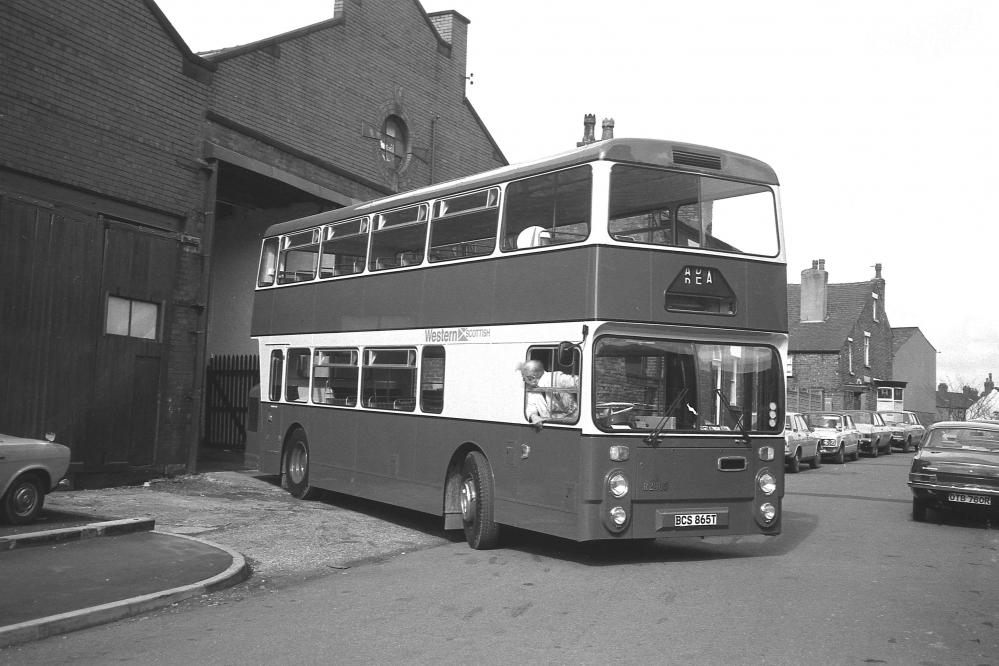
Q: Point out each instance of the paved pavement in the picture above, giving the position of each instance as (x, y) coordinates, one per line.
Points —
(69, 578)
(95, 556)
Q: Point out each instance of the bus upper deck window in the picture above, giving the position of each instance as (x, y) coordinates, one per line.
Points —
(298, 257)
(550, 209)
(398, 238)
(268, 263)
(345, 248)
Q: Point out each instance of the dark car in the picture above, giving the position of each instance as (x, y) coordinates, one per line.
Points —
(956, 468)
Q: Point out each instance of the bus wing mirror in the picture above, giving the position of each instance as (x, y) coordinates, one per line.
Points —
(566, 354)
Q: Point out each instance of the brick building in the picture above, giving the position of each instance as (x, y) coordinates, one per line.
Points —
(136, 178)
(840, 345)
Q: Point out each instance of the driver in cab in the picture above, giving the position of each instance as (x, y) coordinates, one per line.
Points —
(548, 405)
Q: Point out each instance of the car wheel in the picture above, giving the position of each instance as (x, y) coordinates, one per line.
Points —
(874, 448)
(24, 499)
(888, 448)
(296, 466)
(476, 496)
(918, 510)
(840, 456)
(794, 465)
(907, 445)
(816, 462)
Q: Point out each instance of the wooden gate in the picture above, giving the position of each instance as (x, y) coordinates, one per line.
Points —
(227, 384)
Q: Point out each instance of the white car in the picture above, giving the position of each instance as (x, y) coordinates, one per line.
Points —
(29, 469)
(838, 436)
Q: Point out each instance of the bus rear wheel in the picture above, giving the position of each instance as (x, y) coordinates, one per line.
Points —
(296, 466)
(476, 496)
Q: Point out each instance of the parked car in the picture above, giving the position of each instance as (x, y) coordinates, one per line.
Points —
(875, 434)
(957, 468)
(837, 434)
(29, 469)
(800, 445)
(906, 430)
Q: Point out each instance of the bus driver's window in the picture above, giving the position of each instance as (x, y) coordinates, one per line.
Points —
(551, 386)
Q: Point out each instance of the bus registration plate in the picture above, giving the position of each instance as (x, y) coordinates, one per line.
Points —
(969, 499)
(695, 519)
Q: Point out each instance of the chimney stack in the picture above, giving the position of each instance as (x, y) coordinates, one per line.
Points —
(589, 122)
(814, 281)
(989, 385)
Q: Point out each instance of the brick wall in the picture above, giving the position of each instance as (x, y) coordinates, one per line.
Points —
(324, 92)
(93, 96)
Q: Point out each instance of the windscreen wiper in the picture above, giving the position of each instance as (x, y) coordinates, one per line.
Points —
(737, 419)
(653, 437)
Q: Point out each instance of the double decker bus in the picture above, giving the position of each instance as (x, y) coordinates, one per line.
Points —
(588, 346)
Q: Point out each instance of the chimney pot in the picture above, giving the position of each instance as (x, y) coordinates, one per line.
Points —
(589, 122)
(608, 127)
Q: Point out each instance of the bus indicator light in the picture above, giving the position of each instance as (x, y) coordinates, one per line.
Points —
(766, 453)
(619, 453)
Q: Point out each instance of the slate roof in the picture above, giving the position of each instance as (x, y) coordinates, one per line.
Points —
(844, 303)
(953, 400)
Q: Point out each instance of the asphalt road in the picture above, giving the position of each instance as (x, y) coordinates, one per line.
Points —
(852, 580)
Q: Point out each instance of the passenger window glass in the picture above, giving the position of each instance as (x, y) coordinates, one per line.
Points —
(268, 263)
(432, 380)
(334, 377)
(398, 238)
(277, 370)
(464, 226)
(550, 209)
(345, 248)
(299, 257)
(296, 383)
(388, 379)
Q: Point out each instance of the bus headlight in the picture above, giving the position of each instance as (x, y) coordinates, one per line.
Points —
(768, 512)
(618, 516)
(617, 483)
(768, 484)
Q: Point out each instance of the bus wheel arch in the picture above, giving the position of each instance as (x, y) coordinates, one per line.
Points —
(469, 496)
(295, 464)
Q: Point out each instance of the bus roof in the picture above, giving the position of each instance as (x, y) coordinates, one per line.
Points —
(689, 157)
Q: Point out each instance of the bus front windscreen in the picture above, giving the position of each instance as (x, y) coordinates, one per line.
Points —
(648, 384)
(669, 208)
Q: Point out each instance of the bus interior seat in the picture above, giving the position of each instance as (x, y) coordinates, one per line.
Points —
(533, 237)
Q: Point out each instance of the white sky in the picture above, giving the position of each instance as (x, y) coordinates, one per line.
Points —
(881, 119)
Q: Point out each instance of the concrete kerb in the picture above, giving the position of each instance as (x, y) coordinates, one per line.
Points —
(52, 625)
(106, 528)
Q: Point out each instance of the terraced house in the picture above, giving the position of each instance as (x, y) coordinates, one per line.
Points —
(843, 351)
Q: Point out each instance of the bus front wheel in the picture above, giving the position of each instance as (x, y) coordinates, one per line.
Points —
(296, 466)
(476, 495)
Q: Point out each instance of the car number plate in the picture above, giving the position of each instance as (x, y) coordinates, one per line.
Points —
(969, 499)
(695, 519)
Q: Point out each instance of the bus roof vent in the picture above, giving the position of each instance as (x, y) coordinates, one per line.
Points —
(697, 159)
